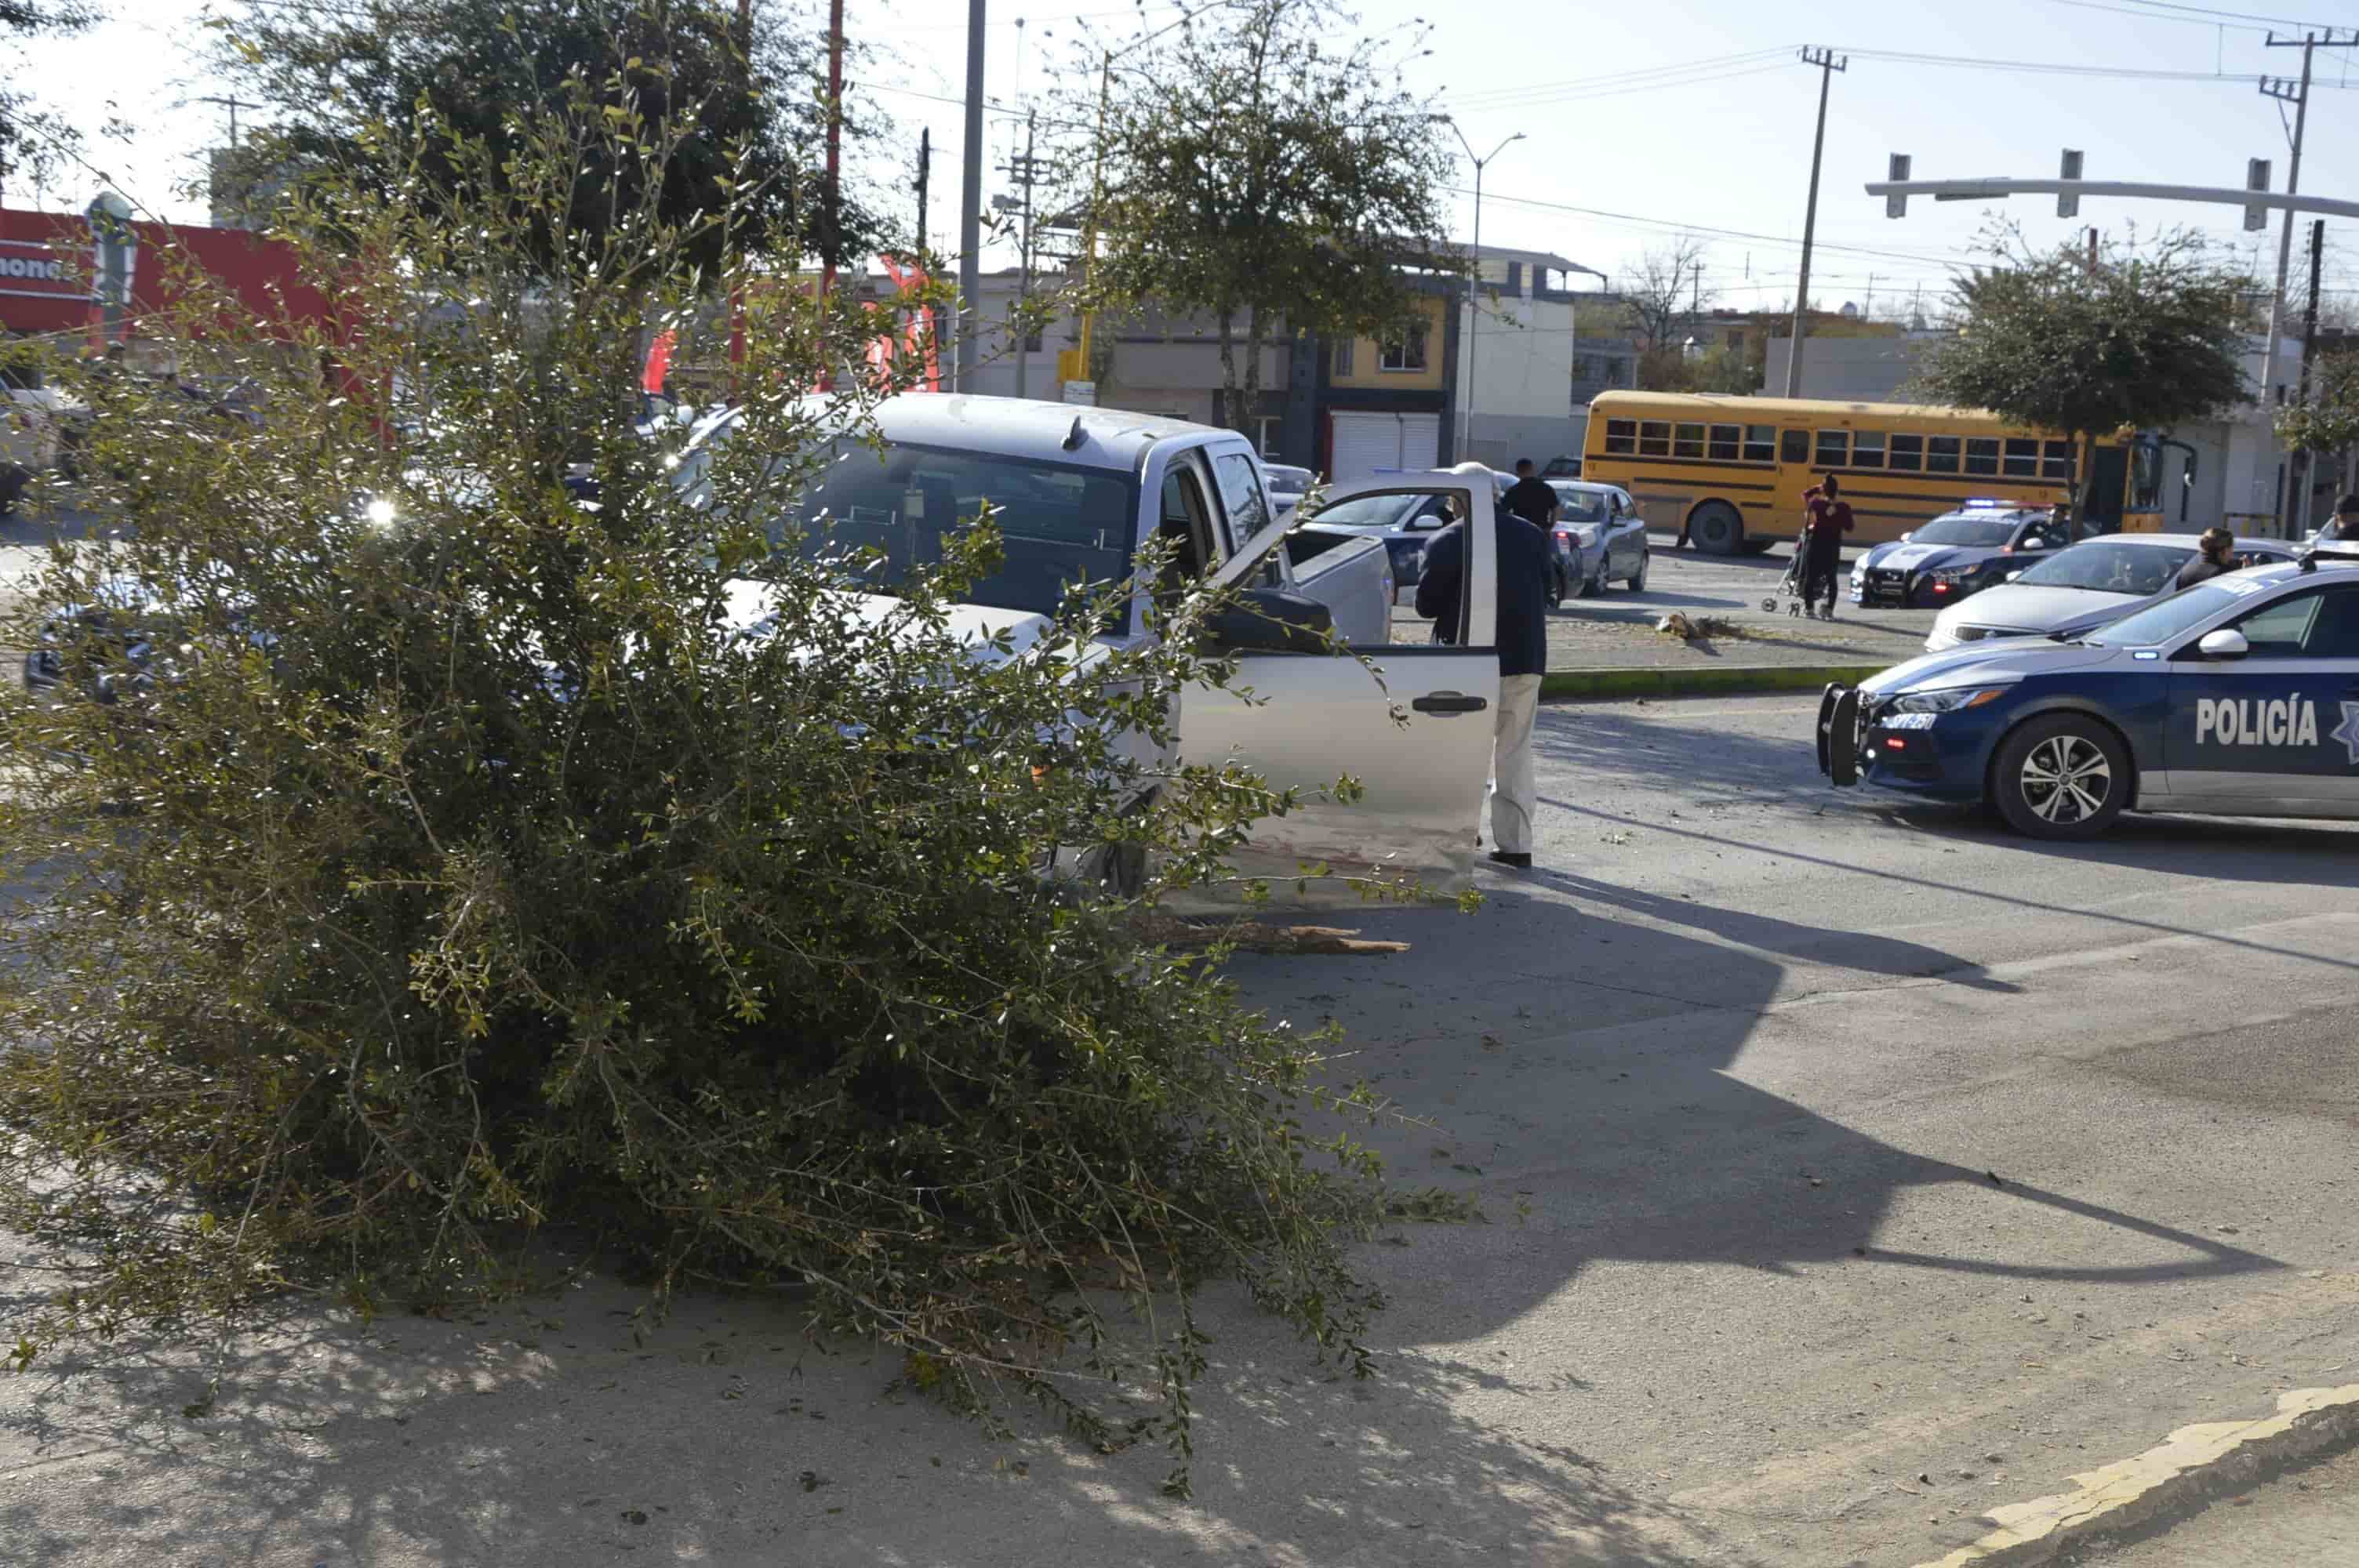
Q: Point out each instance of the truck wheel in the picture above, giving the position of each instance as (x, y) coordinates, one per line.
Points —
(2063, 776)
(1716, 529)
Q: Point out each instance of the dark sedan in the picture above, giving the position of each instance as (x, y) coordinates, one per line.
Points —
(1404, 523)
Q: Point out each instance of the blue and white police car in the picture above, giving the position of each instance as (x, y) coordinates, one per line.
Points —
(1957, 553)
(2238, 696)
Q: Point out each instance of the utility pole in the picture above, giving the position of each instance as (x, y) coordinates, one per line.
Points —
(233, 103)
(925, 172)
(2309, 352)
(1025, 171)
(2283, 91)
(970, 205)
(1828, 65)
(831, 226)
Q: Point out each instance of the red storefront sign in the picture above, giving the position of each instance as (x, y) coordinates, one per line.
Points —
(48, 262)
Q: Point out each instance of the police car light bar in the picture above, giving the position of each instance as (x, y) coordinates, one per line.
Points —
(2310, 558)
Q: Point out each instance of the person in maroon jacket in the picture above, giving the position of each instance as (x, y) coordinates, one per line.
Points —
(1829, 519)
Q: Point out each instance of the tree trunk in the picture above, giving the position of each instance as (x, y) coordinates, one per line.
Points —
(1228, 371)
(1248, 424)
(2085, 475)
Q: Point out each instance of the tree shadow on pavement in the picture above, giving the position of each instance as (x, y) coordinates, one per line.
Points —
(553, 1433)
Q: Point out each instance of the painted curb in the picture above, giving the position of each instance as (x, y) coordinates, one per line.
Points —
(2196, 1463)
(1683, 680)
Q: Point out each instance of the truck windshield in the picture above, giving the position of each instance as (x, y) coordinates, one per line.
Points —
(2108, 565)
(884, 513)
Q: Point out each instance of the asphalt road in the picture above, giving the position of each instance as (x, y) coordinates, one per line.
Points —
(1849, 1172)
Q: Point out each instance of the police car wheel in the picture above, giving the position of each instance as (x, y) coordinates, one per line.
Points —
(2060, 777)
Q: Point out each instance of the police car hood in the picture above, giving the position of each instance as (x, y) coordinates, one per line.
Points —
(2035, 609)
(1993, 664)
(1926, 557)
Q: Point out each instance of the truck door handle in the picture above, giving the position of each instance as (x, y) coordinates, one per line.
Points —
(1451, 702)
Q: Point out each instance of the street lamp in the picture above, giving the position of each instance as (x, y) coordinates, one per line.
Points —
(1097, 165)
(1474, 327)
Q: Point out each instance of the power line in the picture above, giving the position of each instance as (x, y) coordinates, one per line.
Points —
(1499, 96)
(1676, 226)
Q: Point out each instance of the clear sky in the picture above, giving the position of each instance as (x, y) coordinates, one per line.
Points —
(1641, 120)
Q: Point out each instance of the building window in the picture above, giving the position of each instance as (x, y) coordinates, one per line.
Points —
(2056, 462)
(1761, 443)
(1907, 453)
(1940, 454)
(1407, 354)
(1654, 438)
(1982, 456)
(1584, 368)
(1726, 442)
(1834, 449)
(1621, 437)
(1268, 438)
(1868, 450)
(1688, 441)
(2022, 457)
(1343, 357)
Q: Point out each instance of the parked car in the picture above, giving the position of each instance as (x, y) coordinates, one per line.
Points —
(1402, 521)
(1288, 485)
(1561, 467)
(1957, 553)
(1599, 539)
(2227, 698)
(2081, 586)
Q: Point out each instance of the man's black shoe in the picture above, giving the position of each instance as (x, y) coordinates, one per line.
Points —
(1505, 858)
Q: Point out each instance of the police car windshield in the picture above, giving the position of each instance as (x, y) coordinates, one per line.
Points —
(1974, 532)
(2161, 622)
(2108, 565)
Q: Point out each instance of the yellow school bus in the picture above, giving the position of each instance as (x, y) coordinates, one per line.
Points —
(1732, 470)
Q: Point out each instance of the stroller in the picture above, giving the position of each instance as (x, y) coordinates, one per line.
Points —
(1789, 588)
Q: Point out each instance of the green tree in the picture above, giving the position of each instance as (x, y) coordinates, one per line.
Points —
(2151, 336)
(417, 873)
(750, 112)
(1259, 172)
(2326, 420)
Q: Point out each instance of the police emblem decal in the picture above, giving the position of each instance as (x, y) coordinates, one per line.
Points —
(2348, 732)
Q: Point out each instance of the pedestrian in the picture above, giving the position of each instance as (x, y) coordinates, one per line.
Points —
(1521, 636)
(2215, 552)
(1531, 498)
(2343, 526)
(2060, 522)
(1829, 519)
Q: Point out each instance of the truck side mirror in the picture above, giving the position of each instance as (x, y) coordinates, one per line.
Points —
(1270, 620)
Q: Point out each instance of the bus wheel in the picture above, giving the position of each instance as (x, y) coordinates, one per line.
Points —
(1716, 529)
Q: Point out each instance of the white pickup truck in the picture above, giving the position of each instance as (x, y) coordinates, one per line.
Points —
(1078, 494)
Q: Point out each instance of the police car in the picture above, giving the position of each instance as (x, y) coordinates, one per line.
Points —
(1956, 554)
(2238, 696)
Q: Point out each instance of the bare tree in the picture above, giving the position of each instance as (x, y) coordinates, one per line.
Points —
(1663, 292)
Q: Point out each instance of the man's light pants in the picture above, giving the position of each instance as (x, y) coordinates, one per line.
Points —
(1515, 783)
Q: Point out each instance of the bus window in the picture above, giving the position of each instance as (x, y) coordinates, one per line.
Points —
(1868, 450)
(1725, 443)
(1687, 442)
(1907, 453)
(1834, 449)
(1761, 443)
(1940, 454)
(1655, 437)
(2022, 457)
(1982, 454)
(1621, 437)
(1795, 447)
(2056, 462)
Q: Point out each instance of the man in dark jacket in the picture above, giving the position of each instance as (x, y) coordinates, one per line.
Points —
(1521, 637)
(2342, 528)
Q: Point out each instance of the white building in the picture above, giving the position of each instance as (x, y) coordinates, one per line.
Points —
(1513, 382)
